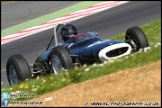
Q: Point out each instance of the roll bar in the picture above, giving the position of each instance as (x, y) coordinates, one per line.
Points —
(54, 35)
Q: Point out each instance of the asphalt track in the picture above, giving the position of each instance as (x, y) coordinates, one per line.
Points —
(21, 11)
(106, 23)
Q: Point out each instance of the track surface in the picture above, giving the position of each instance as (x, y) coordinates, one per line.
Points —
(106, 23)
(21, 11)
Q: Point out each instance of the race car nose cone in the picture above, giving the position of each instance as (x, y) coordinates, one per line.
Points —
(114, 51)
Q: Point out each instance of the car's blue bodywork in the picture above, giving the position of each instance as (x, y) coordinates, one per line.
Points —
(89, 47)
(86, 46)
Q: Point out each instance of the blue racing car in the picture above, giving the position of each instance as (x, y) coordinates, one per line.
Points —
(71, 48)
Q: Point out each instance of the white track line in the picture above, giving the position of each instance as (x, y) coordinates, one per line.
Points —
(67, 18)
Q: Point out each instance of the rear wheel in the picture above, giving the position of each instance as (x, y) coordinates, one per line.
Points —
(136, 38)
(60, 59)
(17, 69)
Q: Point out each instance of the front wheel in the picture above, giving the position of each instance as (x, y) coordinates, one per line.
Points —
(17, 69)
(60, 58)
(136, 38)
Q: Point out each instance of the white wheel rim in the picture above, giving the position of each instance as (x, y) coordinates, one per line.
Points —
(12, 75)
(56, 64)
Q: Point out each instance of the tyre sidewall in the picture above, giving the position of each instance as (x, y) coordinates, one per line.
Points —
(13, 60)
(64, 56)
(138, 36)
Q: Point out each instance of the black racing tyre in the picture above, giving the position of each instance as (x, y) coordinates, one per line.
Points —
(60, 58)
(17, 69)
(138, 37)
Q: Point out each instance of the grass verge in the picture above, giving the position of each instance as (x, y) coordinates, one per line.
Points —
(51, 82)
(6, 2)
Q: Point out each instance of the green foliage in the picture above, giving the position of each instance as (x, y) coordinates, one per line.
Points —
(75, 76)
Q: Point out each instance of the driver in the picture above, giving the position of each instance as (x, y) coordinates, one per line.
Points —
(68, 31)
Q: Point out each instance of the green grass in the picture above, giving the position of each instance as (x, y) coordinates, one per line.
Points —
(48, 17)
(6, 2)
(51, 82)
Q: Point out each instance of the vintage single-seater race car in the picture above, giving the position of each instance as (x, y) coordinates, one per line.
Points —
(75, 49)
